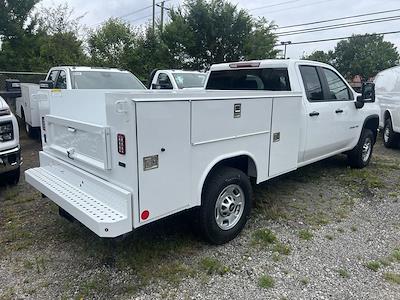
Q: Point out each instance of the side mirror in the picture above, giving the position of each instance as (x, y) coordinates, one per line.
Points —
(367, 94)
(13, 87)
(155, 86)
(46, 84)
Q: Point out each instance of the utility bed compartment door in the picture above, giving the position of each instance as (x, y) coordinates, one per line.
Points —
(285, 135)
(163, 133)
(79, 143)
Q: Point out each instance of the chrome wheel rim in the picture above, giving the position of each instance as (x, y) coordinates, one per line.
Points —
(27, 127)
(386, 134)
(229, 206)
(366, 149)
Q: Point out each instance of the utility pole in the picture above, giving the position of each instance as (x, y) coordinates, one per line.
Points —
(154, 14)
(285, 44)
(162, 15)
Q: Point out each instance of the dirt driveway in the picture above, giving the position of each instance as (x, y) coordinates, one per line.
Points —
(323, 232)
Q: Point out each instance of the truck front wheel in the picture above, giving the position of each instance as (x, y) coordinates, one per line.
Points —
(390, 138)
(226, 205)
(360, 156)
(13, 176)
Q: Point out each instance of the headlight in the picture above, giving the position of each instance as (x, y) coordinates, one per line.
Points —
(4, 112)
(6, 132)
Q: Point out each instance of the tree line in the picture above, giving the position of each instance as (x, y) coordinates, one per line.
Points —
(198, 34)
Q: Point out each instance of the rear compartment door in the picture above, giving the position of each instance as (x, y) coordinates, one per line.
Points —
(80, 143)
(163, 132)
(285, 135)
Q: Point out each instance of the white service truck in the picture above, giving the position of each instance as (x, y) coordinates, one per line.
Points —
(70, 77)
(387, 85)
(177, 80)
(10, 152)
(125, 159)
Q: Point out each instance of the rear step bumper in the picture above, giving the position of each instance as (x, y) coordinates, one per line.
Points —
(102, 207)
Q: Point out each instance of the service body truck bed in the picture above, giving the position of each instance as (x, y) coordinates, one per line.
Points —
(127, 158)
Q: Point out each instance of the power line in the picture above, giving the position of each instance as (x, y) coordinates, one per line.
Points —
(273, 5)
(299, 6)
(340, 38)
(339, 26)
(341, 18)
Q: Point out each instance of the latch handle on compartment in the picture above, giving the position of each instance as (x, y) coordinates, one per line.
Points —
(121, 106)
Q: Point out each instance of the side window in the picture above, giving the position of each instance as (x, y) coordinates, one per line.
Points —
(53, 75)
(337, 89)
(312, 83)
(164, 82)
(61, 82)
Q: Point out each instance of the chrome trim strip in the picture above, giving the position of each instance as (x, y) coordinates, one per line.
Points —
(231, 137)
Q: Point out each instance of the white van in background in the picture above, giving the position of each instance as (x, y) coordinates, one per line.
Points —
(387, 88)
(69, 78)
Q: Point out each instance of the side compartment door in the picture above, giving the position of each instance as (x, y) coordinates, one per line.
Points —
(164, 158)
(322, 134)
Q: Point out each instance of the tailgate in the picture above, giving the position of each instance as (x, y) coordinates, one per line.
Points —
(80, 142)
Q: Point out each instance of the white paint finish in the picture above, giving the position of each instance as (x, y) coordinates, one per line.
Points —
(164, 126)
(83, 142)
(387, 85)
(285, 122)
(214, 120)
(28, 105)
(14, 143)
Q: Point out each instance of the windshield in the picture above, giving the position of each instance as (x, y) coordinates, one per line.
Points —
(189, 80)
(104, 80)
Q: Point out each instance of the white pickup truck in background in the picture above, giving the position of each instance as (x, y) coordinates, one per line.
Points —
(387, 85)
(176, 80)
(70, 77)
(10, 152)
(125, 159)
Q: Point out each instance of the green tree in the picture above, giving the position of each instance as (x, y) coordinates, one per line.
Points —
(365, 55)
(13, 16)
(321, 56)
(202, 32)
(112, 44)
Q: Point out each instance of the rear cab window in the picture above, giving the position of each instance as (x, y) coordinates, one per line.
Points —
(271, 79)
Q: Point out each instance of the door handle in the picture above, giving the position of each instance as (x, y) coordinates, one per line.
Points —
(313, 114)
(339, 111)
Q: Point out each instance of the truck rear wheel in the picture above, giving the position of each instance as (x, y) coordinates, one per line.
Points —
(361, 155)
(226, 205)
(390, 138)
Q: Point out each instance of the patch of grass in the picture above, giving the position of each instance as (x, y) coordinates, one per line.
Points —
(319, 218)
(282, 248)
(27, 264)
(264, 237)
(396, 254)
(373, 265)
(329, 237)
(305, 235)
(343, 273)
(11, 194)
(266, 282)
(340, 229)
(304, 281)
(213, 266)
(392, 277)
(353, 228)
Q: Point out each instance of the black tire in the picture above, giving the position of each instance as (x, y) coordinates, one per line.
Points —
(221, 179)
(390, 138)
(30, 131)
(13, 176)
(359, 157)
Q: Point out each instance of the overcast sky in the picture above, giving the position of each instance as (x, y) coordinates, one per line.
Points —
(282, 12)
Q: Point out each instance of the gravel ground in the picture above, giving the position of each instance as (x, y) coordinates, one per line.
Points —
(323, 232)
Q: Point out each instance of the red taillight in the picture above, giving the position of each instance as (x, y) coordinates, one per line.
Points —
(245, 65)
(121, 143)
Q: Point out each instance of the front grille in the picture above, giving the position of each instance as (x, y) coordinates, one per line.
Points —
(6, 131)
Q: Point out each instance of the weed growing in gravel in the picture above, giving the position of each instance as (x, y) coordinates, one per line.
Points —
(266, 282)
(396, 254)
(353, 228)
(329, 237)
(213, 266)
(373, 265)
(305, 235)
(264, 237)
(340, 229)
(343, 273)
(392, 277)
(305, 281)
(282, 248)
